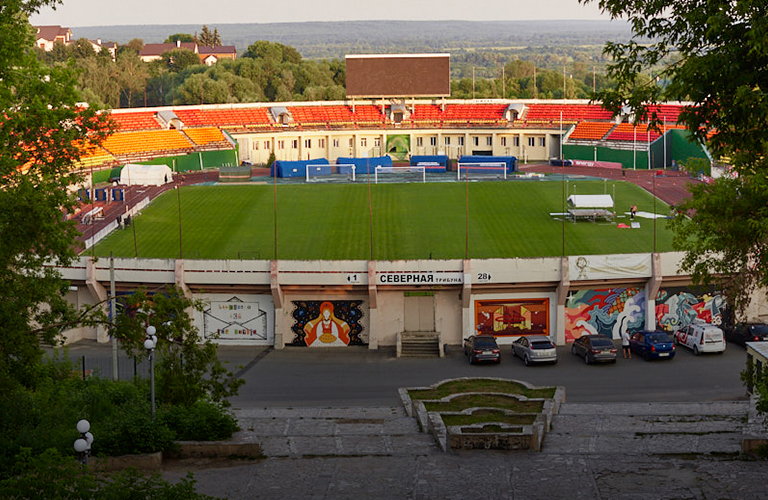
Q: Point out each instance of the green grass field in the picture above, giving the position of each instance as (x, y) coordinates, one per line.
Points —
(409, 221)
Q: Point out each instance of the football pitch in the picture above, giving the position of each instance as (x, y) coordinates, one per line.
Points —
(478, 220)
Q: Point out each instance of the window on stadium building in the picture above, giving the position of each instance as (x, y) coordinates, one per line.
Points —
(542, 142)
(295, 144)
(255, 145)
(351, 142)
(447, 141)
(461, 141)
(419, 142)
(503, 141)
(321, 143)
(531, 141)
(433, 141)
(308, 143)
(335, 143)
(266, 144)
(489, 141)
(476, 141)
(364, 142)
(516, 141)
(377, 142)
(281, 144)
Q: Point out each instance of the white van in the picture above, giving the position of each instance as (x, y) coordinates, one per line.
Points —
(701, 337)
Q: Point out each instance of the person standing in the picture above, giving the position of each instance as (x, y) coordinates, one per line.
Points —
(632, 211)
(625, 345)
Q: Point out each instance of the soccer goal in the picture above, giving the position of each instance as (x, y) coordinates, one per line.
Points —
(320, 172)
(482, 170)
(403, 173)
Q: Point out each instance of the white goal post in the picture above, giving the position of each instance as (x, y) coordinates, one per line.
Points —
(490, 168)
(392, 170)
(315, 171)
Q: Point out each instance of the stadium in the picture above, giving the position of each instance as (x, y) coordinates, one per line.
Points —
(399, 218)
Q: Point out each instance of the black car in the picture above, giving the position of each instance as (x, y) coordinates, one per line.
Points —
(594, 348)
(742, 333)
(482, 348)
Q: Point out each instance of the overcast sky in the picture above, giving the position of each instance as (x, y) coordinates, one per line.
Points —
(74, 13)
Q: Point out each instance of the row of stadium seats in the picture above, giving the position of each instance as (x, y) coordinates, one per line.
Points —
(141, 120)
(128, 143)
(240, 117)
(205, 136)
(631, 132)
(570, 112)
(591, 131)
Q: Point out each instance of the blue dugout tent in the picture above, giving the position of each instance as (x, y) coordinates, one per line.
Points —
(363, 165)
(432, 163)
(510, 161)
(281, 168)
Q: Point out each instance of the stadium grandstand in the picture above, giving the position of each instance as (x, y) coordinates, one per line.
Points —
(530, 130)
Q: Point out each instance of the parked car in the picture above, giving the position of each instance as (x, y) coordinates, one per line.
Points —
(652, 345)
(482, 348)
(594, 348)
(742, 333)
(534, 349)
(701, 337)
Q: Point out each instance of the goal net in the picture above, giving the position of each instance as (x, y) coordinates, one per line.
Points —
(316, 173)
(413, 173)
(482, 170)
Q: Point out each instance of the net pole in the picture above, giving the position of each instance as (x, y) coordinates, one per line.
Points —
(353, 172)
(424, 175)
(376, 175)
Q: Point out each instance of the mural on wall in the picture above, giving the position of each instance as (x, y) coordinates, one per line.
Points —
(235, 319)
(608, 312)
(512, 317)
(327, 323)
(678, 307)
(398, 146)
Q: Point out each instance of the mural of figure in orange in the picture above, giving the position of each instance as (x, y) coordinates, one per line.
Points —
(327, 329)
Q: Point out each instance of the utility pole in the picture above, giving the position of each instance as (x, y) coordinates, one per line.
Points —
(112, 314)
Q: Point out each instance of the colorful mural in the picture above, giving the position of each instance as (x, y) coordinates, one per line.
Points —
(608, 312)
(327, 323)
(679, 307)
(398, 147)
(512, 317)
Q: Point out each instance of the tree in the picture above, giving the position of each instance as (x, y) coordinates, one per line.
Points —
(43, 133)
(180, 37)
(187, 367)
(208, 38)
(180, 59)
(712, 53)
(132, 75)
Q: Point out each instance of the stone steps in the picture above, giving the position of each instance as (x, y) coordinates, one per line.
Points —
(418, 345)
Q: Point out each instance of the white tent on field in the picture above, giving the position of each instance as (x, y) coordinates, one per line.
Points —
(590, 201)
(133, 174)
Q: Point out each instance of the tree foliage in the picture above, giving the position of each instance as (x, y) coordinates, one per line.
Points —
(42, 134)
(187, 367)
(714, 54)
(208, 38)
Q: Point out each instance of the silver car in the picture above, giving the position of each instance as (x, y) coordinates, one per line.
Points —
(534, 349)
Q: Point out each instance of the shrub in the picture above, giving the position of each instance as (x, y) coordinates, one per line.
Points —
(203, 421)
(132, 431)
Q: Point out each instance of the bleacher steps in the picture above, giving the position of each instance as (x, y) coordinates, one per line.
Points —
(419, 345)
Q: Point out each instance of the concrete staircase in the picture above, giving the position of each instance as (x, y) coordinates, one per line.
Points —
(419, 345)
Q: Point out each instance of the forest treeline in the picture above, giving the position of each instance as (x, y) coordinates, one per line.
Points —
(274, 72)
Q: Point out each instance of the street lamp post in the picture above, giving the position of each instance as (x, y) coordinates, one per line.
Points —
(83, 443)
(149, 345)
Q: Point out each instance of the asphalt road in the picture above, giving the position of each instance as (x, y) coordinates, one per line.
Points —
(358, 377)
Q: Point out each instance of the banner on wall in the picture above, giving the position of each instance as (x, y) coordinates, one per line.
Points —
(327, 323)
(512, 317)
(597, 267)
(247, 318)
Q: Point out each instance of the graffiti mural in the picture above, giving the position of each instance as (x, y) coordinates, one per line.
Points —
(608, 312)
(512, 317)
(678, 307)
(327, 323)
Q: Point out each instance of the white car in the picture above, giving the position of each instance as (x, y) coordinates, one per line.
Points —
(701, 337)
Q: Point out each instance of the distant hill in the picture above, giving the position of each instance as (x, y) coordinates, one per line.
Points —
(318, 40)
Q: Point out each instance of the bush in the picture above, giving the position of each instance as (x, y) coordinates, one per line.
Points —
(132, 431)
(203, 421)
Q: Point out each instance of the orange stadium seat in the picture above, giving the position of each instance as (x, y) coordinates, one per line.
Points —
(593, 131)
(206, 135)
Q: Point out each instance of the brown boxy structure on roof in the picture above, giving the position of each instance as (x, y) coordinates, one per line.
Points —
(398, 75)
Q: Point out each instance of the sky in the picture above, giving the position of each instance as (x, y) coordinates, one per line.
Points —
(80, 13)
